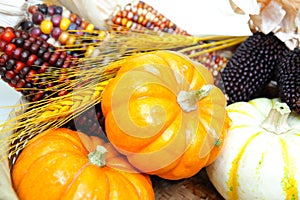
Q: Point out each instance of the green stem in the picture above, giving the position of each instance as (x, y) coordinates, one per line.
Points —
(276, 121)
(187, 100)
(98, 157)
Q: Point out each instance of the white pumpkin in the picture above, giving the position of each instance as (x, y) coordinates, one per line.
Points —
(260, 159)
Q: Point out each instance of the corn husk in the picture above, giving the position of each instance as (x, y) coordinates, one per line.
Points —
(12, 12)
(281, 17)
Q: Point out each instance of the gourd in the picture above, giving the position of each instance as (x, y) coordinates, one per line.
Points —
(163, 112)
(260, 159)
(65, 164)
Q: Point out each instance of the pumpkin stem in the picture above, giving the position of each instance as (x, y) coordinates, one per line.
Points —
(276, 120)
(188, 99)
(98, 157)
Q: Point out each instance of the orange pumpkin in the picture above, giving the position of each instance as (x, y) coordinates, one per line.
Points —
(60, 164)
(164, 113)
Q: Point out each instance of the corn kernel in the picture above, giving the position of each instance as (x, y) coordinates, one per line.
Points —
(64, 24)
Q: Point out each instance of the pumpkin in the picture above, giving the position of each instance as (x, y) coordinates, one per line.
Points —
(260, 159)
(65, 164)
(163, 112)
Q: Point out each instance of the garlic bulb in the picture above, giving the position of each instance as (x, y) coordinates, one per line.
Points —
(279, 16)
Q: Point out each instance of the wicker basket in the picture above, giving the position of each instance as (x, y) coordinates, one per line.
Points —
(197, 187)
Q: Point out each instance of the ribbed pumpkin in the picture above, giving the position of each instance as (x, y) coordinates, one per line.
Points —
(63, 164)
(260, 159)
(164, 113)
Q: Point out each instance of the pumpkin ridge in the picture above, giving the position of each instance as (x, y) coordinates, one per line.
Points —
(72, 137)
(143, 95)
(163, 130)
(159, 100)
(158, 78)
(233, 176)
(194, 79)
(217, 115)
(289, 183)
(197, 69)
(76, 175)
(175, 112)
(128, 182)
(135, 181)
(218, 144)
(114, 179)
(58, 156)
(36, 144)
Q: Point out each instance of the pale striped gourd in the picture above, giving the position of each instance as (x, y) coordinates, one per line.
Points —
(260, 159)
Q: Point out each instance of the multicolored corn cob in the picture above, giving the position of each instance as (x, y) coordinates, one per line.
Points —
(36, 46)
(142, 16)
(53, 24)
(24, 56)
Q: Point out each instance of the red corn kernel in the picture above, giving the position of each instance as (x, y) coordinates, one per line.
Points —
(73, 17)
(21, 83)
(63, 55)
(30, 75)
(15, 80)
(66, 64)
(84, 24)
(34, 48)
(17, 53)
(38, 95)
(32, 9)
(53, 59)
(27, 44)
(11, 84)
(3, 59)
(10, 74)
(46, 56)
(8, 36)
(19, 66)
(31, 59)
(32, 39)
(2, 45)
(43, 68)
(10, 48)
